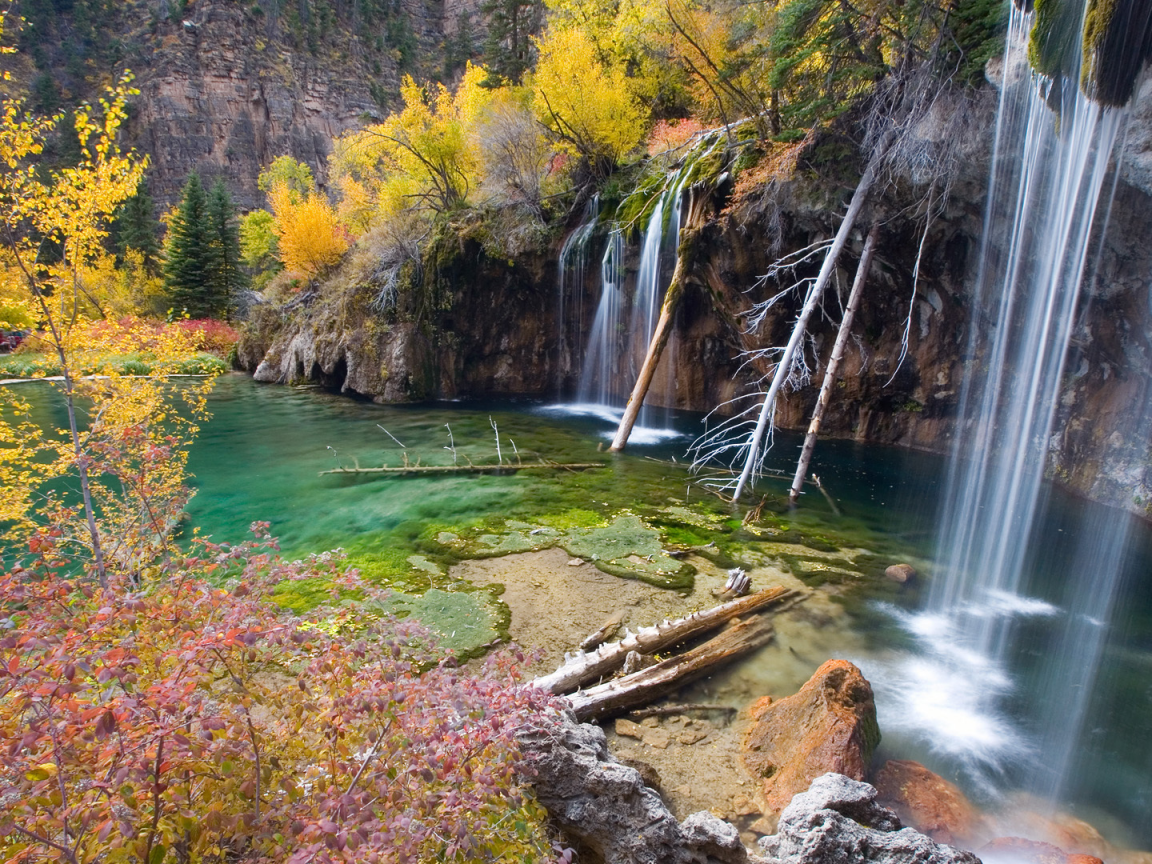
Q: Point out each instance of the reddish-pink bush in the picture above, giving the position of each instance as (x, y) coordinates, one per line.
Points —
(214, 336)
(670, 134)
(190, 720)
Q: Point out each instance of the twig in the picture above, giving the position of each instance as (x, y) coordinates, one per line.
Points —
(393, 437)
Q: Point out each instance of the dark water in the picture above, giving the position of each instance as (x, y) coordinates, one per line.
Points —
(260, 456)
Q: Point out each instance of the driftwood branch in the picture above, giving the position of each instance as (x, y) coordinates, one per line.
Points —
(581, 668)
(648, 684)
(681, 708)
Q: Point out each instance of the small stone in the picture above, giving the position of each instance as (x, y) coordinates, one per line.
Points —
(905, 574)
(650, 722)
(684, 791)
(742, 805)
(657, 738)
(688, 738)
(628, 729)
(575, 562)
(764, 826)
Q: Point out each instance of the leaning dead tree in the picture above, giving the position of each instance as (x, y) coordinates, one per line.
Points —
(914, 131)
(833, 367)
(697, 198)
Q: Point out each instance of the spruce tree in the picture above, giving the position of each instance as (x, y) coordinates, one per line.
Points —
(190, 272)
(229, 279)
(508, 50)
(135, 228)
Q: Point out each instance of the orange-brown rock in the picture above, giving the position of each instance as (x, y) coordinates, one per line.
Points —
(926, 801)
(1021, 851)
(829, 725)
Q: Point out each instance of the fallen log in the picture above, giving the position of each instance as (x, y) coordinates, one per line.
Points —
(648, 684)
(506, 468)
(581, 668)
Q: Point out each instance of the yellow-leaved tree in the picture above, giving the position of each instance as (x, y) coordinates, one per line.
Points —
(119, 464)
(422, 156)
(311, 239)
(589, 105)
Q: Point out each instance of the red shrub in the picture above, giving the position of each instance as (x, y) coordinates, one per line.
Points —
(194, 721)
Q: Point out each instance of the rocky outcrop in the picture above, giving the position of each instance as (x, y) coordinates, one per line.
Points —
(1017, 850)
(837, 821)
(926, 801)
(828, 726)
(605, 807)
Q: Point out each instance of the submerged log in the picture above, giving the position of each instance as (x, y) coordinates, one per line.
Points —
(506, 468)
(580, 668)
(651, 683)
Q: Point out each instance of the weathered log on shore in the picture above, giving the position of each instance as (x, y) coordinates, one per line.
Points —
(651, 683)
(581, 668)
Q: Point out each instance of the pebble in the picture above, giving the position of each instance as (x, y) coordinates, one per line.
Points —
(689, 738)
(575, 562)
(742, 805)
(657, 738)
(628, 728)
(650, 722)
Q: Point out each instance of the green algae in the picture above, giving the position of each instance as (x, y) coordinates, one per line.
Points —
(464, 622)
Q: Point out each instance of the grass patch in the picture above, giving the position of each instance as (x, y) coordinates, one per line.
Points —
(47, 366)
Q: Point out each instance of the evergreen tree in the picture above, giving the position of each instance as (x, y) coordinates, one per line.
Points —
(135, 228)
(508, 50)
(229, 279)
(190, 274)
(458, 47)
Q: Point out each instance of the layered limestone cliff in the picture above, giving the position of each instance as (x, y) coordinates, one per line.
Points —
(226, 87)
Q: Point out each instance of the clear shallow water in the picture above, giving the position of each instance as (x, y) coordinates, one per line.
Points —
(260, 456)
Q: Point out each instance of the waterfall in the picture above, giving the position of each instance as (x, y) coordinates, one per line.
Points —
(571, 272)
(613, 357)
(600, 373)
(956, 695)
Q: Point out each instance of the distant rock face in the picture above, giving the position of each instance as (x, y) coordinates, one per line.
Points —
(828, 726)
(837, 821)
(606, 807)
(218, 96)
(926, 801)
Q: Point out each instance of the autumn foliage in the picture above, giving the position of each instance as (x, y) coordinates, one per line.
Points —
(311, 238)
(189, 720)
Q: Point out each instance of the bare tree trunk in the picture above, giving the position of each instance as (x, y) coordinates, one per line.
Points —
(784, 367)
(664, 324)
(834, 363)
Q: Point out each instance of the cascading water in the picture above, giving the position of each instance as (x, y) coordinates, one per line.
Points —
(571, 272)
(600, 373)
(957, 693)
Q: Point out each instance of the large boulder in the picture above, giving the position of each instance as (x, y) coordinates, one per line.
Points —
(828, 726)
(838, 821)
(608, 810)
(926, 801)
(1017, 850)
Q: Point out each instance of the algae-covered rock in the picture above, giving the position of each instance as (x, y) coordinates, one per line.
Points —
(627, 547)
(463, 621)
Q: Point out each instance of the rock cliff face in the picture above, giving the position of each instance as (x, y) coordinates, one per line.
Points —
(219, 98)
(230, 87)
